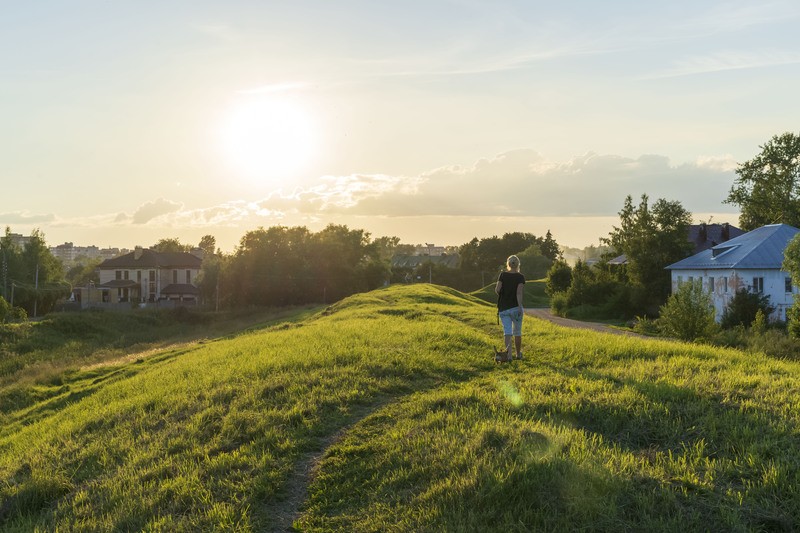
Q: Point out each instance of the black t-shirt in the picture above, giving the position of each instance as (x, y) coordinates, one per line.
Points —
(508, 290)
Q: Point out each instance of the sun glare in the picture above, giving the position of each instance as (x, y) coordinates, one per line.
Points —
(268, 140)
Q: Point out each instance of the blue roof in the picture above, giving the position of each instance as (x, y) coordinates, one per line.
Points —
(760, 248)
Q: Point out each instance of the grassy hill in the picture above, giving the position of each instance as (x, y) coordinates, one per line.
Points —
(385, 412)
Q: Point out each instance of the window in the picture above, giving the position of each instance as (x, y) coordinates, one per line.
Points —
(758, 285)
(118, 274)
(138, 276)
(788, 284)
(188, 276)
(127, 274)
(725, 284)
(174, 276)
(680, 280)
(711, 284)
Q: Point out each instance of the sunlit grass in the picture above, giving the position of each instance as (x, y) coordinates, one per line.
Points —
(416, 429)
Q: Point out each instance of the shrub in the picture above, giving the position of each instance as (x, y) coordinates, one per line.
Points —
(743, 307)
(5, 309)
(558, 304)
(688, 314)
(559, 278)
(645, 326)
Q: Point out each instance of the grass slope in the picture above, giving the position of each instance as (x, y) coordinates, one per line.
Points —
(392, 401)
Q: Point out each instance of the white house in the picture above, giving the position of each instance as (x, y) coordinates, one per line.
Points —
(751, 261)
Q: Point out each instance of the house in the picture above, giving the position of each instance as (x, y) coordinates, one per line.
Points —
(750, 261)
(148, 276)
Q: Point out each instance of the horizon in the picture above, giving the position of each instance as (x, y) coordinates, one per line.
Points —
(429, 121)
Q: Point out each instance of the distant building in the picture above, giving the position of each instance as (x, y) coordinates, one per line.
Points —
(145, 275)
(19, 240)
(69, 254)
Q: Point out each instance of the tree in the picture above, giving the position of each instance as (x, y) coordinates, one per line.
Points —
(767, 189)
(208, 243)
(688, 313)
(559, 278)
(651, 239)
(171, 245)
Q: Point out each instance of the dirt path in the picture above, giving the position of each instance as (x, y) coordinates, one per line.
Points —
(545, 314)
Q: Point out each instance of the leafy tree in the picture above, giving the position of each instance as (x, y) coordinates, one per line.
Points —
(743, 308)
(80, 274)
(688, 313)
(171, 245)
(533, 264)
(39, 282)
(651, 238)
(559, 278)
(767, 189)
(208, 243)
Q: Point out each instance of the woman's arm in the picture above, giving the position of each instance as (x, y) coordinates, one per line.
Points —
(520, 293)
(498, 286)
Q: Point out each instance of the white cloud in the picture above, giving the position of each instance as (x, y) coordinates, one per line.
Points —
(150, 210)
(25, 217)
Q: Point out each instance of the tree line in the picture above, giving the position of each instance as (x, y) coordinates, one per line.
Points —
(279, 266)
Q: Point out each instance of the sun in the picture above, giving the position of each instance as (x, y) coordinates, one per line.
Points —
(268, 139)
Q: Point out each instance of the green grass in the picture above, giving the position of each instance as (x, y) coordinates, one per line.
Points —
(534, 295)
(393, 399)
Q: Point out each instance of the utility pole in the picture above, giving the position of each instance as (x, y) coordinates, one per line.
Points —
(36, 299)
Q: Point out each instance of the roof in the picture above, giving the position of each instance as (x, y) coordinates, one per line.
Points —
(152, 259)
(119, 284)
(180, 288)
(413, 261)
(760, 248)
(704, 236)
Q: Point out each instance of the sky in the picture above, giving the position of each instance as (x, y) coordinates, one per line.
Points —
(122, 123)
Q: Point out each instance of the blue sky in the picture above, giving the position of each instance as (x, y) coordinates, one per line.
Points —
(439, 121)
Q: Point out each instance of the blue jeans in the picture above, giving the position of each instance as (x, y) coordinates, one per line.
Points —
(512, 321)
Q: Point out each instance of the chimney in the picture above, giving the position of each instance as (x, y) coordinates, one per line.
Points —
(137, 253)
(726, 231)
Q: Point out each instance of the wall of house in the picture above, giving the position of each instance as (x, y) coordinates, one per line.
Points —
(726, 282)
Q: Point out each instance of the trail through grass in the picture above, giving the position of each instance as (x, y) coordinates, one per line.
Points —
(393, 398)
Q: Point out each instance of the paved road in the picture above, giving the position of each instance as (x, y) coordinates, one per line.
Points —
(545, 314)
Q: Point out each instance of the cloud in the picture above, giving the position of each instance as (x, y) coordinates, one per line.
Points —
(156, 208)
(24, 217)
(522, 183)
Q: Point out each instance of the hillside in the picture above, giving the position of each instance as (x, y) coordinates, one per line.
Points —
(386, 412)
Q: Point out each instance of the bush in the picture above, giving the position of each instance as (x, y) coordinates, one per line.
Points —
(558, 304)
(645, 326)
(559, 278)
(743, 308)
(688, 314)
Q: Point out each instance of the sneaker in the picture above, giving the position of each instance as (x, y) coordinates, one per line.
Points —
(519, 356)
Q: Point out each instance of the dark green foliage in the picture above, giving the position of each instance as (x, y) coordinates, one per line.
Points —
(688, 314)
(767, 189)
(559, 277)
(32, 275)
(651, 238)
(742, 309)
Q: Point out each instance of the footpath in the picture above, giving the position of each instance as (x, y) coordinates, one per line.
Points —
(545, 314)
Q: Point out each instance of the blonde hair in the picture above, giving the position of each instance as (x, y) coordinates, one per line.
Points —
(512, 261)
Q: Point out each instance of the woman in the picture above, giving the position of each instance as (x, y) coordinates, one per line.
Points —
(509, 288)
